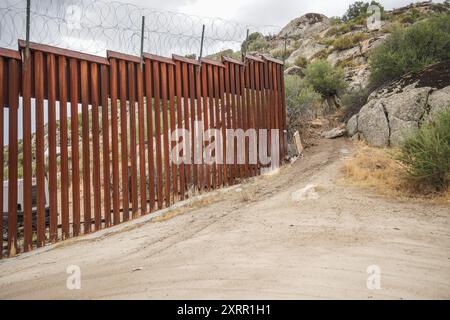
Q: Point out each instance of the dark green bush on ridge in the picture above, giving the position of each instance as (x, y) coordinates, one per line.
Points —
(424, 43)
(426, 153)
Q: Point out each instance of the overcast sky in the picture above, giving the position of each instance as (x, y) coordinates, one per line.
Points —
(272, 12)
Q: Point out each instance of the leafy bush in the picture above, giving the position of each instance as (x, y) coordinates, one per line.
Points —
(426, 153)
(301, 61)
(411, 49)
(298, 93)
(324, 78)
(300, 102)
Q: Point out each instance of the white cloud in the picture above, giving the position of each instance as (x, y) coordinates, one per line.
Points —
(261, 12)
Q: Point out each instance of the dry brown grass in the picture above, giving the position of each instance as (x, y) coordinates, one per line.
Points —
(376, 169)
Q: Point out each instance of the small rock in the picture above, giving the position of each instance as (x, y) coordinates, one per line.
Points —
(295, 71)
(334, 133)
(307, 193)
(137, 269)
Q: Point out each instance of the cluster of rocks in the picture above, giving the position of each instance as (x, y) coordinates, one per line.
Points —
(401, 106)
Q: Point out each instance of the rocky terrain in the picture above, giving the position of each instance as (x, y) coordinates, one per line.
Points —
(345, 44)
(390, 111)
(402, 105)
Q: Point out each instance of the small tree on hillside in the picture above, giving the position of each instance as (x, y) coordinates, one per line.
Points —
(359, 9)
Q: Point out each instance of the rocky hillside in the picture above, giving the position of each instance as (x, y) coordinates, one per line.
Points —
(346, 44)
(401, 106)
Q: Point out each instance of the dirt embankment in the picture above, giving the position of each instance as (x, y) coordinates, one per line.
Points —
(254, 241)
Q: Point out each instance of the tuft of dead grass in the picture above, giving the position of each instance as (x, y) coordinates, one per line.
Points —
(377, 169)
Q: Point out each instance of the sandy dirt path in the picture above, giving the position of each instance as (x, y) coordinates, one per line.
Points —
(253, 241)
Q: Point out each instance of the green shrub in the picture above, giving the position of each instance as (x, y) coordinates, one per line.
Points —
(301, 61)
(281, 53)
(426, 153)
(298, 92)
(411, 49)
(343, 43)
(349, 41)
(324, 78)
(301, 99)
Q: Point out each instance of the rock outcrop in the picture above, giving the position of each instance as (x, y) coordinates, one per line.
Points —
(305, 26)
(401, 106)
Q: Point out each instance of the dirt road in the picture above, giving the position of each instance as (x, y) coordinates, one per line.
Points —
(255, 242)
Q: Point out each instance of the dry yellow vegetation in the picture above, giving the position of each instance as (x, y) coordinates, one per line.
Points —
(377, 169)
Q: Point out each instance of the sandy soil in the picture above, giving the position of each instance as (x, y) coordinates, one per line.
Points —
(253, 241)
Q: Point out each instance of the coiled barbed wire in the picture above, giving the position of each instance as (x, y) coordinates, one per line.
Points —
(96, 26)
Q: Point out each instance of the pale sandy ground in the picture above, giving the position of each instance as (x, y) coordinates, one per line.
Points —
(257, 243)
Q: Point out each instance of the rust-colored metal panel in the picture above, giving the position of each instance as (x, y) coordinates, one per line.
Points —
(151, 162)
(178, 86)
(40, 145)
(263, 100)
(165, 133)
(258, 111)
(211, 120)
(171, 82)
(104, 84)
(223, 125)
(218, 124)
(64, 164)
(229, 167)
(245, 115)
(187, 167)
(8, 53)
(156, 92)
(283, 106)
(199, 140)
(64, 52)
(252, 109)
(141, 129)
(267, 109)
(232, 67)
(260, 82)
(74, 146)
(124, 139)
(276, 101)
(205, 99)
(133, 155)
(52, 164)
(115, 140)
(96, 146)
(239, 109)
(271, 104)
(2, 106)
(192, 78)
(85, 133)
(13, 104)
(27, 154)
